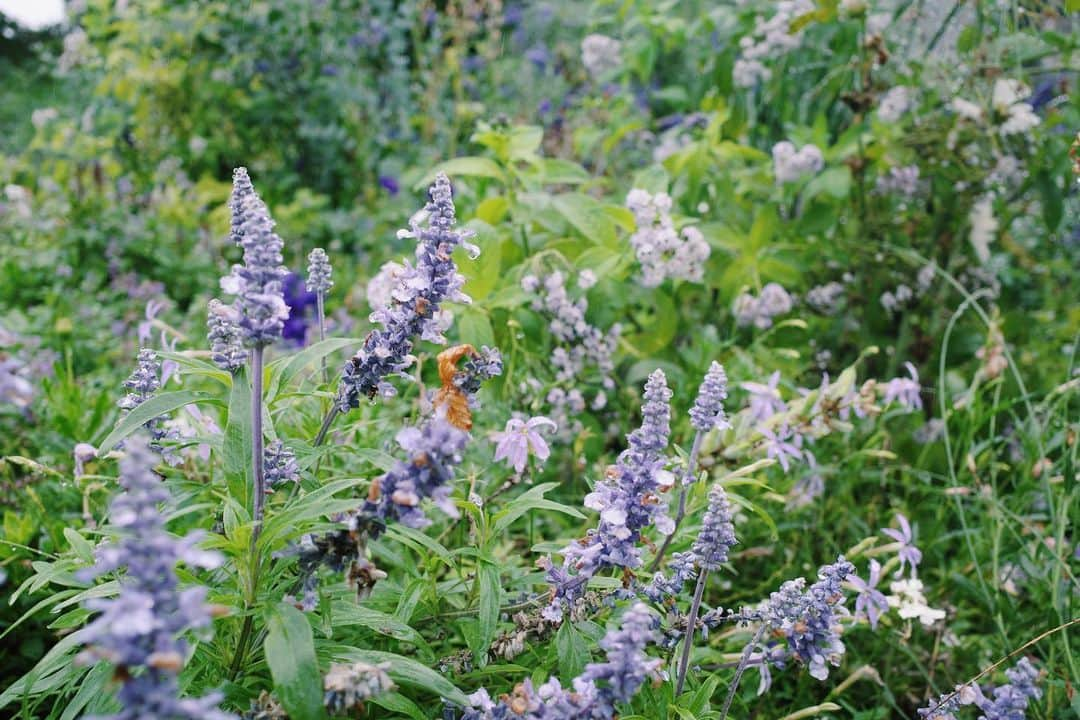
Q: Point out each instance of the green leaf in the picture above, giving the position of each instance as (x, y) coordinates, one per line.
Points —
(555, 171)
(152, 408)
(487, 579)
(290, 654)
(396, 702)
(349, 612)
(587, 216)
(835, 182)
(533, 499)
(572, 650)
(308, 356)
(469, 166)
(482, 276)
(82, 547)
(474, 327)
(1052, 200)
(236, 449)
(404, 671)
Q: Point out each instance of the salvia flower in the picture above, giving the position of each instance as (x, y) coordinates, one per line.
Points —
(280, 465)
(416, 301)
(627, 666)
(904, 391)
(225, 337)
(348, 686)
(434, 450)
(680, 569)
(708, 410)
(140, 629)
(628, 500)
(258, 282)
(319, 277)
(520, 439)
(717, 535)
(870, 602)
(1002, 702)
(909, 554)
(142, 384)
(479, 367)
(808, 618)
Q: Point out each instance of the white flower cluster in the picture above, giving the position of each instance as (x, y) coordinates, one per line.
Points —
(984, 227)
(826, 298)
(910, 602)
(663, 251)
(894, 104)
(1016, 116)
(1019, 116)
(600, 54)
(759, 311)
(771, 38)
(790, 164)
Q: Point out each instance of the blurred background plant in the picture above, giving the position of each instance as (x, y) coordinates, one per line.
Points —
(856, 183)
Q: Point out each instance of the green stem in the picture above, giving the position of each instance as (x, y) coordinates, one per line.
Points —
(691, 624)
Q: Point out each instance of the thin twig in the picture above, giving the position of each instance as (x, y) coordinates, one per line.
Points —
(684, 483)
(691, 626)
(744, 662)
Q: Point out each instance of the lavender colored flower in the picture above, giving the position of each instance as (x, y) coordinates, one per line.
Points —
(783, 445)
(389, 184)
(257, 284)
(142, 384)
(520, 439)
(681, 569)
(627, 665)
(280, 465)
(764, 398)
(478, 368)
(807, 618)
(348, 686)
(870, 602)
(224, 335)
(141, 627)
(708, 410)
(1007, 702)
(434, 450)
(717, 535)
(908, 553)
(904, 391)
(629, 500)
(320, 274)
(417, 299)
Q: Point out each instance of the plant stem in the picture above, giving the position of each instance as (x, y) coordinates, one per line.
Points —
(681, 513)
(320, 307)
(744, 662)
(257, 459)
(691, 624)
(327, 422)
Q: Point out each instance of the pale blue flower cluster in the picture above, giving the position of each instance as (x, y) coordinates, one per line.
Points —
(478, 367)
(717, 535)
(280, 465)
(594, 694)
(225, 337)
(664, 587)
(708, 410)
(628, 500)
(320, 275)
(808, 619)
(142, 384)
(1006, 702)
(139, 630)
(346, 687)
(416, 300)
(434, 450)
(260, 306)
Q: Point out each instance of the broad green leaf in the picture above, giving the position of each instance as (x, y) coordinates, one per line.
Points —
(349, 612)
(555, 171)
(290, 654)
(404, 671)
(152, 408)
(82, 547)
(469, 166)
(308, 356)
(482, 275)
(533, 499)
(572, 650)
(474, 327)
(90, 687)
(236, 449)
(587, 216)
(490, 592)
(396, 702)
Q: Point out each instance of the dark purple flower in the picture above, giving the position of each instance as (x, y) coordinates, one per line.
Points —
(330, 70)
(539, 56)
(389, 184)
(298, 299)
